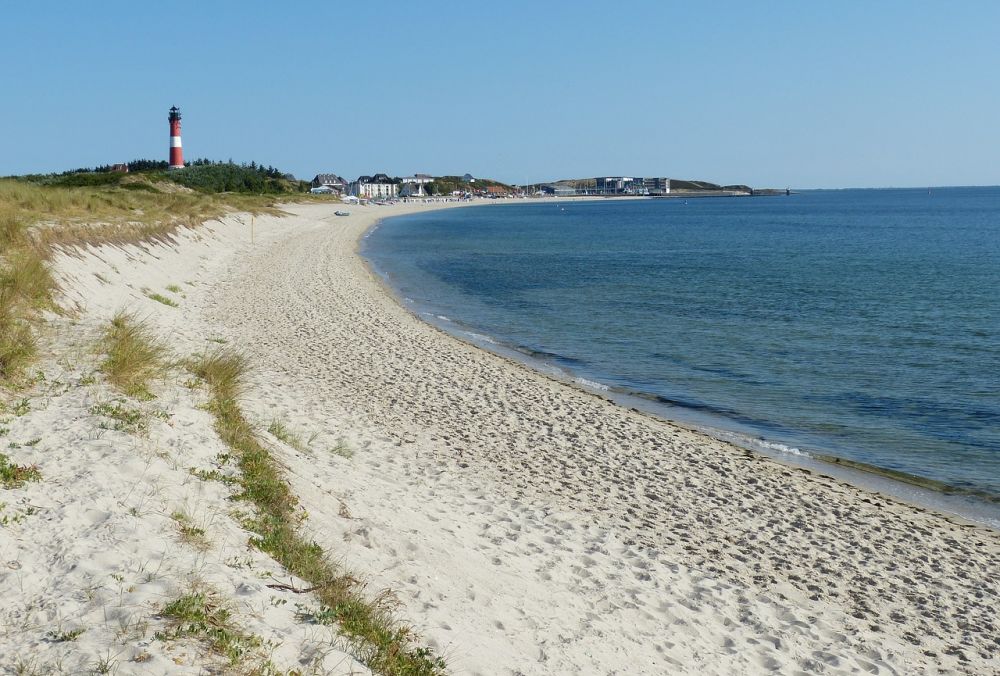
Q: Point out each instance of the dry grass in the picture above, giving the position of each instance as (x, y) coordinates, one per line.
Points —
(135, 355)
(26, 286)
(99, 215)
(35, 218)
(379, 640)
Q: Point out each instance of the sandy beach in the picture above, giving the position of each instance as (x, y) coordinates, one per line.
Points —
(525, 526)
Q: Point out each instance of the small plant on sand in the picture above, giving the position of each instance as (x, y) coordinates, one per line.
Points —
(131, 420)
(106, 664)
(135, 355)
(201, 614)
(65, 636)
(15, 476)
(160, 298)
(282, 433)
(343, 449)
(190, 534)
(377, 638)
(173, 288)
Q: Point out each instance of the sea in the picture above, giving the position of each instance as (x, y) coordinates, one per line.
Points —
(850, 328)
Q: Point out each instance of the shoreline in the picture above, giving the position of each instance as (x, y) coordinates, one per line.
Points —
(497, 428)
(522, 526)
(966, 506)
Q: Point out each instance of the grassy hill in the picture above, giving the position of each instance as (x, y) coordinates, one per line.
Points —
(202, 175)
(445, 185)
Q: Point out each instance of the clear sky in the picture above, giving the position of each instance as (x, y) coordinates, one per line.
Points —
(801, 94)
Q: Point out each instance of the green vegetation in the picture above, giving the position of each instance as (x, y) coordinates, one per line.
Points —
(190, 534)
(65, 636)
(278, 429)
(26, 286)
(160, 298)
(379, 640)
(130, 420)
(228, 177)
(15, 476)
(202, 174)
(343, 450)
(200, 614)
(135, 355)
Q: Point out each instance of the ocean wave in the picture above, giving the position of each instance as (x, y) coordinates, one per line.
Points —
(781, 448)
(591, 384)
(757, 443)
(480, 338)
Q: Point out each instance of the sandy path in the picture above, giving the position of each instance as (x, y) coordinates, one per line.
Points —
(530, 527)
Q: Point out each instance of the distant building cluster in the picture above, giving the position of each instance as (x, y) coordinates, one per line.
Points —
(413, 186)
(382, 186)
(631, 185)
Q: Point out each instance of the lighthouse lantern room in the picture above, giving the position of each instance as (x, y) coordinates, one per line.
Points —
(176, 153)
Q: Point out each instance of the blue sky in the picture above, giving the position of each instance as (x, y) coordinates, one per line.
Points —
(779, 94)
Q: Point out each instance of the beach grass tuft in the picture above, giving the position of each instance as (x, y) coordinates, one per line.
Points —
(281, 432)
(134, 355)
(378, 639)
(343, 449)
(190, 533)
(160, 298)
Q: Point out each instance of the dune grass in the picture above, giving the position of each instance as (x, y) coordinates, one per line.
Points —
(160, 298)
(35, 219)
(26, 286)
(93, 215)
(281, 432)
(135, 356)
(379, 640)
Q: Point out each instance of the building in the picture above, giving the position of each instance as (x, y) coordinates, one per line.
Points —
(379, 186)
(334, 183)
(559, 189)
(620, 185)
(413, 186)
(656, 186)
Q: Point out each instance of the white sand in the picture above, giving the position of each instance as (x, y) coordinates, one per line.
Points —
(526, 526)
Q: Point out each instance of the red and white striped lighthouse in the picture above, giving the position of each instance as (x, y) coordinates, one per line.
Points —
(176, 153)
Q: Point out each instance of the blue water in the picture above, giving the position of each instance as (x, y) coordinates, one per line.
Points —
(863, 324)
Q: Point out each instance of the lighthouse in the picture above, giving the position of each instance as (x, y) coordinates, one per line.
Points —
(176, 153)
